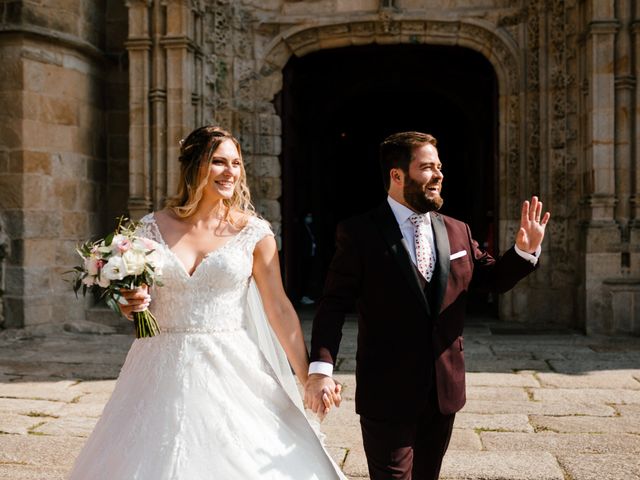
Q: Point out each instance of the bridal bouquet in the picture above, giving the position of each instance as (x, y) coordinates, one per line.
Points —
(121, 260)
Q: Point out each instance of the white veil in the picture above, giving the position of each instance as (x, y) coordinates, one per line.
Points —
(261, 332)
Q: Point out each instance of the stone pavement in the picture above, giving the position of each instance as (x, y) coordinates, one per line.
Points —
(557, 406)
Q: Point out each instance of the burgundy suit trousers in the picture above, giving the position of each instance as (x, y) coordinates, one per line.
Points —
(407, 450)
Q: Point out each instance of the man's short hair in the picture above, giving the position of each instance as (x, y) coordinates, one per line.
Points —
(396, 151)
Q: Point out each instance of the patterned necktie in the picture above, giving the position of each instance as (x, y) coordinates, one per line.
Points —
(424, 255)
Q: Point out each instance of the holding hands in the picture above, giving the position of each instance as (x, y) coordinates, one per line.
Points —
(532, 226)
(321, 393)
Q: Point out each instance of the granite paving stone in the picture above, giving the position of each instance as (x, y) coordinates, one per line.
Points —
(596, 395)
(585, 424)
(538, 408)
(494, 422)
(561, 442)
(522, 421)
(608, 379)
(601, 467)
(507, 465)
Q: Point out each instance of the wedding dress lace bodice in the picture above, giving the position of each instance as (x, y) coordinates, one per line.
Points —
(213, 297)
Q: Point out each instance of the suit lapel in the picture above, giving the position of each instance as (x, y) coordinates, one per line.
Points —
(443, 253)
(399, 251)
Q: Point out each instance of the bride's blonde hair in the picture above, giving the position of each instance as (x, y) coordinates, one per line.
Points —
(196, 150)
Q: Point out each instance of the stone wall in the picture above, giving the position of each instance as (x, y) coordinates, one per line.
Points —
(52, 162)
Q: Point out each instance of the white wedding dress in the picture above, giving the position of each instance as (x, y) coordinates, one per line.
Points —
(205, 399)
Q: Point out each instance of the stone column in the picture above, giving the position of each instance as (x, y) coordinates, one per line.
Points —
(601, 234)
(635, 112)
(179, 47)
(139, 47)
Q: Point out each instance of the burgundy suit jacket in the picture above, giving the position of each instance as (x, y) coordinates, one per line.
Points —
(406, 341)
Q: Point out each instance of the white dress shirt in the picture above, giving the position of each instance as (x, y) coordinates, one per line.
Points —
(402, 214)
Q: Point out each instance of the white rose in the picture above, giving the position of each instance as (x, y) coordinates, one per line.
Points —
(115, 269)
(134, 262)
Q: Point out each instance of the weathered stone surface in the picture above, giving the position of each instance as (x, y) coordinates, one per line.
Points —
(465, 440)
(17, 424)
(521, 465)
(88, 327)
(39, 450)
(502, 379)
(67, 426)
(56, 391)
(585, 424)
(497, 422)
(561, 442)
(540, 408)
(34, 407)
(355, 464)
(596, 395)
(616, 379)
(29, 472)
(601, 466)
(497, 393)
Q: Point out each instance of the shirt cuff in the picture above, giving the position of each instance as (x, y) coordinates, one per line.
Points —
(323, 368)
(531, 257)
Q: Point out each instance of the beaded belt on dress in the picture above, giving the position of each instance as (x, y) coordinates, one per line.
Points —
(201, 329)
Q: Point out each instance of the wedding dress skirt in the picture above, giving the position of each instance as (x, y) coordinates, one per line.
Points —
(201, 400)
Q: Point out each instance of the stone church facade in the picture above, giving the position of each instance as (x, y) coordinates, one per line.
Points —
(95, 96)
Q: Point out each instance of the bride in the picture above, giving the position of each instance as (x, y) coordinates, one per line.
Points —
(211, 396)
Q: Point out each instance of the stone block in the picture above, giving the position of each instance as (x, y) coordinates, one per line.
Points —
(268, 145)
(66, 194)
(39, 252)
(54, 391)
(39, 450)
(11, 134)
(38, 191)
(583, 424)
(28, 406)
(269, 209)
(561, 442)
(37, 314)
(502, 379)
(62, 111)
(497, 393)
(48, 136)
(516, 422)
(509, 465)
(593, 395)
(13, 109)
(355, 465)
(29, 472)
(465, 440)
(68, 427)
(268, 188)
(27, 161)
(75, 225)
(609, 466)
(11, 191)
(607, 379)
(14, 424)
(539, 408)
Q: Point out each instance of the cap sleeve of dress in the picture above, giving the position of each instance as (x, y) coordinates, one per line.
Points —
(147, 228)
(259, 229)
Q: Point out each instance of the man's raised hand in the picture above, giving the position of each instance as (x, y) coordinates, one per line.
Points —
(532, 226)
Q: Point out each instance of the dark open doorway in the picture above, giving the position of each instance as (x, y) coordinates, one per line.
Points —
(338, 105)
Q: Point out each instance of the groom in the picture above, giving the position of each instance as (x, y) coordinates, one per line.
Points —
(408, 269)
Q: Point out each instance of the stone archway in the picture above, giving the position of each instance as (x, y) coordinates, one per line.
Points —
(483, 38)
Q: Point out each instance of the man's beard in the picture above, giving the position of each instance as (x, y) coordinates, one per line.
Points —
(416, 197)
